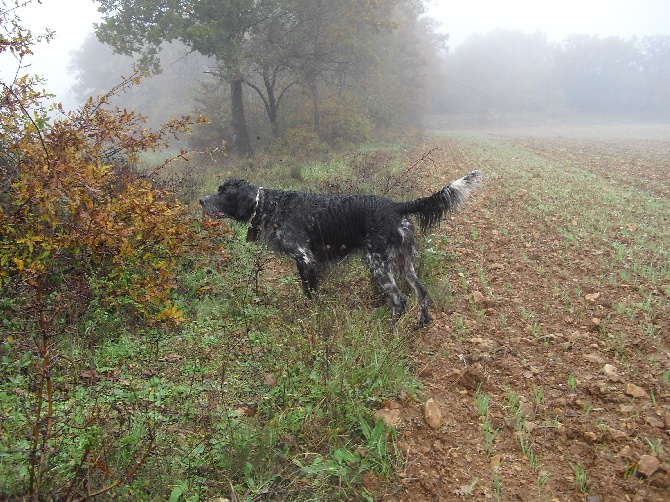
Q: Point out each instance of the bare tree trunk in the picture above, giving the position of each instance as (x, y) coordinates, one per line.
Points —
(315, 105)
(241, 140)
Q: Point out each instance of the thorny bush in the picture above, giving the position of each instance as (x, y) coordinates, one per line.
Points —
(78, 227)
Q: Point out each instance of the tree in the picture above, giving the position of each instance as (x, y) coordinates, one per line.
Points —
(211, 27)
(655, 65)
(505, 71)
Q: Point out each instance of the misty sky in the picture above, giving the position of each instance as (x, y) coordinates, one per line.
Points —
(73, 21)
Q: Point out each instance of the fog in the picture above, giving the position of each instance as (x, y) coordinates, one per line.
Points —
(72, 20)
(505, 62)
(557, 19)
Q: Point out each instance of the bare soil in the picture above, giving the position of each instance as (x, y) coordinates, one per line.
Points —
(536, 318)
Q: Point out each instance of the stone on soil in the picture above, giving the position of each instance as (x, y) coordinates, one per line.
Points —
(647, 465)
(432, 414)
(635, 391)
(390, 417)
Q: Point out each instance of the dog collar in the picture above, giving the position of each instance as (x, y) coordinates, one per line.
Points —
(252, 233)
(258, 198)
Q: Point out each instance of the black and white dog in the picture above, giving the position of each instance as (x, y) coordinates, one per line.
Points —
(314, 229)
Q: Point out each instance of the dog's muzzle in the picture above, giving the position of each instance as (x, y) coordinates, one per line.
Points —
(209, 209)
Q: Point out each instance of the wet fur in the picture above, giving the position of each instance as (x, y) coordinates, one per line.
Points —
(314, 229)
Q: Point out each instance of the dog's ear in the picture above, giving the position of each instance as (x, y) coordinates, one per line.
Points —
(243, 194)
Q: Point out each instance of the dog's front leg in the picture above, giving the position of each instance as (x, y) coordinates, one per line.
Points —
(309, 277)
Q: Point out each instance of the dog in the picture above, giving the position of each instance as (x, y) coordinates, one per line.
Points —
(315, 229)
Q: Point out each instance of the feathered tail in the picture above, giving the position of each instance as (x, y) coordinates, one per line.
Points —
(430, 210)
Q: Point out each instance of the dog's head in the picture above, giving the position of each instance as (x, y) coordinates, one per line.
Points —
(235, 199)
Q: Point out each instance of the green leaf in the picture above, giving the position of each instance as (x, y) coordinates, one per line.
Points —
(177, 491)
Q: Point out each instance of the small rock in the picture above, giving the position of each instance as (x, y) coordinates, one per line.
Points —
(269, 380)
(617, 435)
(594, 358)
(627, 408)
(479, 341)
(635, 391)
(454, 375)
(390, 404)
(575, 335)
(243, 410)
(592, 297)
(647, 465)
(432, 414)
(626, 453)
(611, 372)
(655, 422)
(590, 436)
(478, 297)
(529, 426)
(496, 460)
(390, 417)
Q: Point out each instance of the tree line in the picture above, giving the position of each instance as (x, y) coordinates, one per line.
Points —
(506, 71)
(308, 72)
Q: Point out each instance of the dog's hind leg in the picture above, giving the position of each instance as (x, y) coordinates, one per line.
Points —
(407, 269)
(382, 273)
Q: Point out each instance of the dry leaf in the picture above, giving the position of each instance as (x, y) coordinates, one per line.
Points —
(171, 357)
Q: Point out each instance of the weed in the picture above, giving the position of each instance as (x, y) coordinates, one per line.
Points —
(542, 478)
(656, 446)
(538, 395)
(581, 477)
(490, 432)
(496, 485)
(630, 471)
(459, 326)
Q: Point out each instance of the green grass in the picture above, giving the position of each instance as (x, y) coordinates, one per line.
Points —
(255, 390)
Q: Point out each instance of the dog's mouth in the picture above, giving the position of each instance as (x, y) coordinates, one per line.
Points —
(216, 214)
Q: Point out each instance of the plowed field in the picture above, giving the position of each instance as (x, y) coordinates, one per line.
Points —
(550, 364)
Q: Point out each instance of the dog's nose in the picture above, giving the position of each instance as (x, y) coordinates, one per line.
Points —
(202, 201)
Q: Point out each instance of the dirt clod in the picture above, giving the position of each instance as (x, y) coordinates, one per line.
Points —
(647, 465)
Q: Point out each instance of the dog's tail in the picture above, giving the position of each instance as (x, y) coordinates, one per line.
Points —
(430, 210)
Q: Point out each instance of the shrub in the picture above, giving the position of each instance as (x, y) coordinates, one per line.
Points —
(80, 232)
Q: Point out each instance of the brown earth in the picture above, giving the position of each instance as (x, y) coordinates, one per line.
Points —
(535, 318)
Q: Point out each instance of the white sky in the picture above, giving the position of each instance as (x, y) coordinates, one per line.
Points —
(556, 18)
(73, 21)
